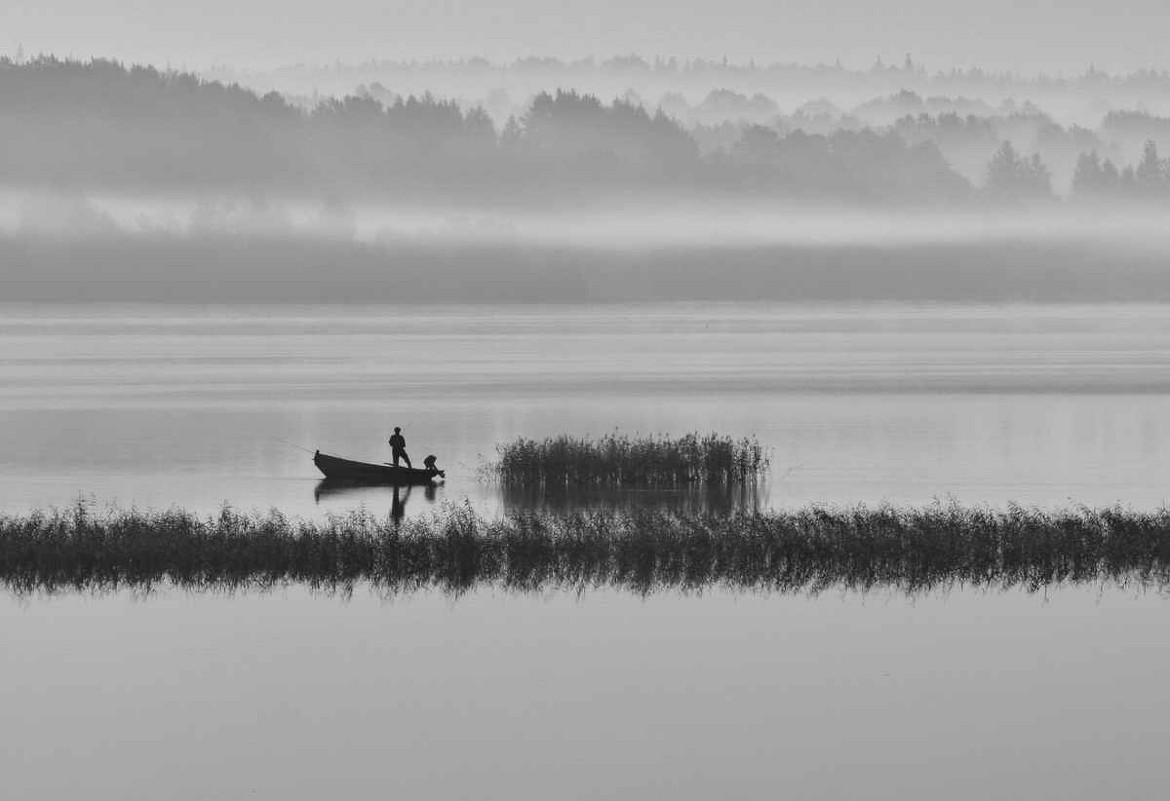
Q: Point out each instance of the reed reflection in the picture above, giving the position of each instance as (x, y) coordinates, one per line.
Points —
(705, 499)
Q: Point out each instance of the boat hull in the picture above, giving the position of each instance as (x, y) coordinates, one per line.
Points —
(338, 469)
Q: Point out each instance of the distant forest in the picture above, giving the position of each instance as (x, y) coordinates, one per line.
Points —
(99, 124)
(659, 78)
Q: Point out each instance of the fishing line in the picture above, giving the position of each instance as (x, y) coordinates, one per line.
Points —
(294, 445)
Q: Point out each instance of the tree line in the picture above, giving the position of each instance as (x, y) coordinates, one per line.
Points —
(102, 124)
(1149, 178)
(66, 122)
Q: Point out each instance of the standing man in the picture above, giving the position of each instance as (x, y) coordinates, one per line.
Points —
(398, 445)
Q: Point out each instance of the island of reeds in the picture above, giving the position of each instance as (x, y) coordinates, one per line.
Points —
(806, 550)
(620, 460)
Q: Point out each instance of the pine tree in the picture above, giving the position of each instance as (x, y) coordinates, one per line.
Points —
(1089, 178)
(1150, 175)
(1009, 175)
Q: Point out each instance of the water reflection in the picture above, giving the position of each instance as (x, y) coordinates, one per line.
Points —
(375, 495)
(723, 500)
(717, 499)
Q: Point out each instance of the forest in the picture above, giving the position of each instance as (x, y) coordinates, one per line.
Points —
(102, 125)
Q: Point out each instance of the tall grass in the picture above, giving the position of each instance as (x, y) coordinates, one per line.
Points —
(620, 460)
(809, 549)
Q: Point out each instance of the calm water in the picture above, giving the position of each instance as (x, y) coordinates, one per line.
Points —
(156, 407)
(287, 695)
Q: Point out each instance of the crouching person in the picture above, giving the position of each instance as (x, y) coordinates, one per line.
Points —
(429, 465)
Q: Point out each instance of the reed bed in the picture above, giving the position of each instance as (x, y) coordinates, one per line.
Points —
(806, 550)
(617, 460)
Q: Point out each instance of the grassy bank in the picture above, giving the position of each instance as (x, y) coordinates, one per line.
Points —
(617, 460)
(807, 550)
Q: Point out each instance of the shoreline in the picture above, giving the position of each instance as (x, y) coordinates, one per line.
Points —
(253, 271)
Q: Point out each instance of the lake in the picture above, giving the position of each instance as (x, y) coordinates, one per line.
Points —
(286, 696)
(157, 406)
(290, 694)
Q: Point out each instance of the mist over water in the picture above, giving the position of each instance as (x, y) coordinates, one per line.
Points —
(110, 248)
(917, 250)
(616, 224)
(145, 185)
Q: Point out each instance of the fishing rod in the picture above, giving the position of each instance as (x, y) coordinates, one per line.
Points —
(294, 445)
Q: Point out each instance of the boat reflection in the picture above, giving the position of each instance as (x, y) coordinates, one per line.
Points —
(714, 499)
(374, 494)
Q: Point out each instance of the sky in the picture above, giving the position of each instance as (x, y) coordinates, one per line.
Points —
(1027, 36)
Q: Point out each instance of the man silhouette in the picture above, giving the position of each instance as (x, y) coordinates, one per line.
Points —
(398, 505)
(398, 445)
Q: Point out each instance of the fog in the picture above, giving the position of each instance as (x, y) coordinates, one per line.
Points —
(130, 182)
(62, 248)
(617, 225)
(910, 254)
(1032, 37)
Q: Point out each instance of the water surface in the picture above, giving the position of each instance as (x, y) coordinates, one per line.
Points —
(964, 694)
(157, 406)
(285, 696)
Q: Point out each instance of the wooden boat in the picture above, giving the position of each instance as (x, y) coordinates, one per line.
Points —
(348, 470)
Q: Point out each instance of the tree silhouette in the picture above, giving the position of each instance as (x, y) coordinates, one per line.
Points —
(1150, 172)
(1149, 179)
(101, 124)
(1090, 177)
(1011, 176)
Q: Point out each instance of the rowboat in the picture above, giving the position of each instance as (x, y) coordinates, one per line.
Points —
(340, 469)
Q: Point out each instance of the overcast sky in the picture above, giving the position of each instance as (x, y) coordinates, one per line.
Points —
(1025, 35)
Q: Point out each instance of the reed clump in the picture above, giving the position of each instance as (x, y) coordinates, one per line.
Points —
(805, 550)
(621, 460)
